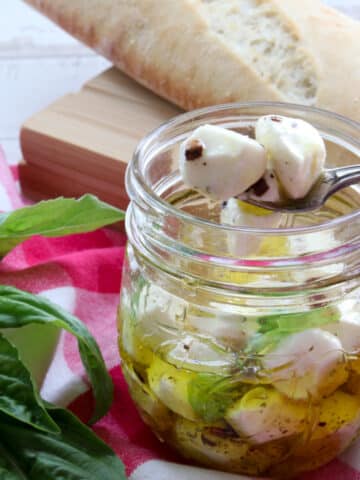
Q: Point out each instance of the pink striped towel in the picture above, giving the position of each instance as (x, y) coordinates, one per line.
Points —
(82, 273)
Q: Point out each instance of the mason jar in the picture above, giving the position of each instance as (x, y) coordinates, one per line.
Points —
(241, 344)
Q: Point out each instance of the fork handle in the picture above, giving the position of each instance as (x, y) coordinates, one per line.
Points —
(342, 177)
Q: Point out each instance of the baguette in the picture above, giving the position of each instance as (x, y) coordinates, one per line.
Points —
(204, 52)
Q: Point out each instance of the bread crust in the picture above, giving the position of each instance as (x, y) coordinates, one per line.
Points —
(335, 40)
(170, 47)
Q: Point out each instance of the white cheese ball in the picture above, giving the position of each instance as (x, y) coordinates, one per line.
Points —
(263, 414)
(200, 354)
(229, 329)
(267, 189)
(347, 330)
(307, 364)
(221, 163)
(237, 213)
(295, 150)
(157, 307)
(170, 385)
(160, 317)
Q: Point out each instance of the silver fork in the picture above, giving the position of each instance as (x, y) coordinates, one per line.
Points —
(330, 182)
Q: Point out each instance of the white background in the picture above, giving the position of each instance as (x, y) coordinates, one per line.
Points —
(39, 63)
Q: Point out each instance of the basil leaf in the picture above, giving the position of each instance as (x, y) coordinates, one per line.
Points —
(299, 321)
(273, 329)
(55, 218)
(8, 468)
(75, 454)
(10, 475)
(262, 343)
(211, 395)
(19, 398)
(19, 308)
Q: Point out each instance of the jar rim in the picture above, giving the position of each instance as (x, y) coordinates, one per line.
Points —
(134, 172)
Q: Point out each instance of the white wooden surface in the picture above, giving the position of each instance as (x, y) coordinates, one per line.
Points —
(39, 63)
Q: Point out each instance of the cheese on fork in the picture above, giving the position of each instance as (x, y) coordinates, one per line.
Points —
(295, 151)
(221, 163)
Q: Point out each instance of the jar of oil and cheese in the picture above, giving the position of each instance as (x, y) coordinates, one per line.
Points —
(241, 345)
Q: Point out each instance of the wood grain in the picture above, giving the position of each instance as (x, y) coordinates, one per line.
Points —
(83, 142)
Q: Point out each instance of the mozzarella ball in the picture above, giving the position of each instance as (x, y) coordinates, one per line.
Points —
(221, 163)
(295, 151)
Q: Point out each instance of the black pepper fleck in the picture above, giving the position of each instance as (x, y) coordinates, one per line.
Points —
(322, 424)
(194, 150)
(141, 377)
(276, 119)
(207, 441)
(226, 432)
(260, 187)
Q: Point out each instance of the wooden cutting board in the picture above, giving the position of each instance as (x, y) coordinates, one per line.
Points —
(83, 142)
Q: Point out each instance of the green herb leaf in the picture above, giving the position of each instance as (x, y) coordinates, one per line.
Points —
(18, 308)
(18, 397)
(262, 343)
(299, 321)
(8, 468)
(75, 454)
(211, 395)
(55, 218)
(273, 329)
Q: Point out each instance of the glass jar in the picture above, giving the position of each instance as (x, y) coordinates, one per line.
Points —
(241, 345)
